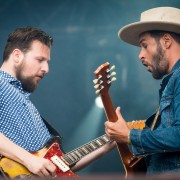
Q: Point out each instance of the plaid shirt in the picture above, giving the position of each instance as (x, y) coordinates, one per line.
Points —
(19, 119)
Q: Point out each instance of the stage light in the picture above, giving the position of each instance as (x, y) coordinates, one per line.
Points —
(98, 102)
(87, 130)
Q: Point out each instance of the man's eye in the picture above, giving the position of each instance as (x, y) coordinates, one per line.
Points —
(40, 59)
(145, 46)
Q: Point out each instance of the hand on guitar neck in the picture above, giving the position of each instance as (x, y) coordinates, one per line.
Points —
(116, 127)
(120, 130)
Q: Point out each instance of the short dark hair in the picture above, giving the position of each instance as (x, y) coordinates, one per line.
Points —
(158, 34)
(22, 39)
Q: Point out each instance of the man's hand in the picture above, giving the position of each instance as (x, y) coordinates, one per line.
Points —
(41, 166)
(37, 165)
(118, 130)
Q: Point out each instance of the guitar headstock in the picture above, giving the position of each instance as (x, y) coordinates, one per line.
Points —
(103, 79)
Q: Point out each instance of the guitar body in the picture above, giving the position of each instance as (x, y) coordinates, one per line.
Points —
(53, 152)
(132, 164)
(14, 169)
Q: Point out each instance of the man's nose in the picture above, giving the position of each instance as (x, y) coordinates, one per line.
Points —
(141, 55)
(45, 68)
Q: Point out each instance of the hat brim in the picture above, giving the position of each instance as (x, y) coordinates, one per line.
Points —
(131, 32)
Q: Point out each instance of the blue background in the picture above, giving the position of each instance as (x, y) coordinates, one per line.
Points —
(85, 36)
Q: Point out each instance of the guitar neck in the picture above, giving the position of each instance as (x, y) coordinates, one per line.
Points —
(77, 154)
(112, 117)
(102, 81)
(109, 107)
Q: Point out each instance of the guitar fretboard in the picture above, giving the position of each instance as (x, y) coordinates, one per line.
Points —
(77, 154)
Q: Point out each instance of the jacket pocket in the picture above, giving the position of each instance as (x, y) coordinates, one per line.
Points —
(166, 111)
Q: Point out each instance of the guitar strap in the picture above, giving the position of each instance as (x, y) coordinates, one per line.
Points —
(163, 85)
(155, 119)
(51, 129)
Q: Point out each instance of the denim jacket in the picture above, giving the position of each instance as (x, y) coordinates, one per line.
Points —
(161, 146)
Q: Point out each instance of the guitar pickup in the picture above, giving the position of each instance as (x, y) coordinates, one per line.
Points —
(59, 162)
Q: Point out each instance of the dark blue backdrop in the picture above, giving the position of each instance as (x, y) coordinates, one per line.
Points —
(85, 36)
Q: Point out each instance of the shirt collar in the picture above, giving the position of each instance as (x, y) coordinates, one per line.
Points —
(12, 80)
(167, 77)
(176, 66)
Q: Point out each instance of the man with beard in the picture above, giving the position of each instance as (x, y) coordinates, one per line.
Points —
(22, 129)
(158, 35)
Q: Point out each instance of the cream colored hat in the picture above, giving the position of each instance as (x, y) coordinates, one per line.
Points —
(161, 18)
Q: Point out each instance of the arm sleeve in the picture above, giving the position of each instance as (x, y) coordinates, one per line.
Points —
(163, 139)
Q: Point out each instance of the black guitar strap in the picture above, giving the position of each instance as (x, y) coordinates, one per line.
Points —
(51, 129)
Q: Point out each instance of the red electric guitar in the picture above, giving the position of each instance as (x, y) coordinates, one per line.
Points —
(132, 165)
(53, 152)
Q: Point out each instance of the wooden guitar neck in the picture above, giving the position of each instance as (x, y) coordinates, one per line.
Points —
(132, 165)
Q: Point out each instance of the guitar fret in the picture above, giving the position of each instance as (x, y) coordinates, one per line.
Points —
(85, 150)
(102, 141)
(68, 159)
(99, 142)
(82, 151)
(88, 148)
(71, 158)
(93, 146)
(106, 138)
(74, 156)
(96, 144)
(78, 153)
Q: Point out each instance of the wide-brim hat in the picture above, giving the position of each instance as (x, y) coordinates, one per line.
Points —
(161, 18)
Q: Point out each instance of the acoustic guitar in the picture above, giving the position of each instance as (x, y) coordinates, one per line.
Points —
(132, 165)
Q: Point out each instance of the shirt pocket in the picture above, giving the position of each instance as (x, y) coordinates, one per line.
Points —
(166, 111)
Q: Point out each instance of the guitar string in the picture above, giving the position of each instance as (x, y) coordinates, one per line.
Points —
(75, 155)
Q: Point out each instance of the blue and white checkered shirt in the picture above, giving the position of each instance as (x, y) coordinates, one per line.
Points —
(19, 119)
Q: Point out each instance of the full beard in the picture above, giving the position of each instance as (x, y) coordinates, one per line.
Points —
(159, 63)
(27, 82)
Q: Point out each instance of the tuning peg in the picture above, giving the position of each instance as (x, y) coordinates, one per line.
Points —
(97, 92)
(113, 73)
(112, 67)
(113, 79)
(95, 81)
(96, 86)
(110, 81)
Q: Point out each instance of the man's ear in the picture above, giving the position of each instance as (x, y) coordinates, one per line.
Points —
(17, 56)
(167, 41)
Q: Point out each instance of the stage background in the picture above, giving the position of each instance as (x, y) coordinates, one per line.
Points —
(85, 36)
